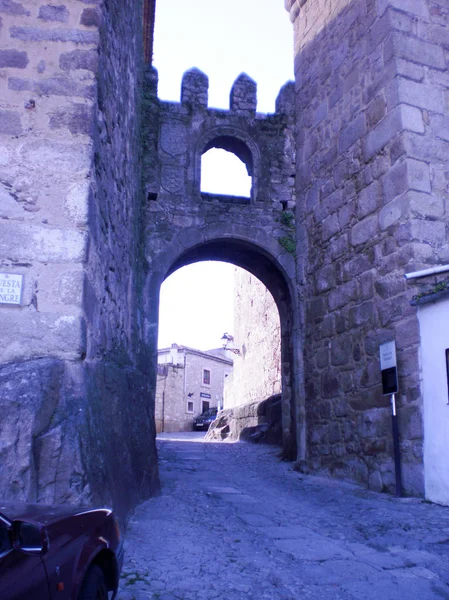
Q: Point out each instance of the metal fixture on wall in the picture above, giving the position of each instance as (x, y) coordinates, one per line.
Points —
(227, 339)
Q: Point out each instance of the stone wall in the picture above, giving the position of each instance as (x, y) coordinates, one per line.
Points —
(120, 417)
(48, 57)
(372, 87)
(70, 201)
(257, 369)
(170, 407)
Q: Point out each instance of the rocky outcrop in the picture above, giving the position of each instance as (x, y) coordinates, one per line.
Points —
(40, 454)
(258, 422)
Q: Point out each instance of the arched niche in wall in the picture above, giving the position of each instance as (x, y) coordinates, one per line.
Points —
(238, 143)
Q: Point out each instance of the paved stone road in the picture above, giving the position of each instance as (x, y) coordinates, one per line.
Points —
(233, 522)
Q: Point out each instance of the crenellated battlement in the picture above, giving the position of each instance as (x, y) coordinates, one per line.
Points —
(294, 8)
(195, 88)
(242, 96)
(185, 130)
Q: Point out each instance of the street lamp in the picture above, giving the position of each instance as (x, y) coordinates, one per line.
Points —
(227, 339)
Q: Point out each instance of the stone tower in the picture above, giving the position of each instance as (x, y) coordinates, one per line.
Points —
(371, 177)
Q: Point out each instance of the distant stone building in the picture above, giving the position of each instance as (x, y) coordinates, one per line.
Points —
(189, 381)
(257, 368)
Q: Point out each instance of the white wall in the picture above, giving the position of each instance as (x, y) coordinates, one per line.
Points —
(434, 326)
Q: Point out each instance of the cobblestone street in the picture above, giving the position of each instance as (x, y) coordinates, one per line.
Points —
(234, 522)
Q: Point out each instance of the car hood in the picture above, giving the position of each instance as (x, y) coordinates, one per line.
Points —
(45, 514)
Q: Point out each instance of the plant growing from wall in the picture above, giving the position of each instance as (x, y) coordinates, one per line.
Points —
(288, 241)
(441, 286)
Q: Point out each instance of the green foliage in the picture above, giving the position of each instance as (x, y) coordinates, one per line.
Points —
(438, 287)
(288, 242)
(287, 219)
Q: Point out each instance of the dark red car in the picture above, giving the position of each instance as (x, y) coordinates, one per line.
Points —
(59, 553)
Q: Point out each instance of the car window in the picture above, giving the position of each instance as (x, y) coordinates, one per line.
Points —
(5, 538)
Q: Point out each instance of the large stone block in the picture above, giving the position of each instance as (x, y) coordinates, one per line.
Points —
(52, 86)
(368, 200)
(10, 7)
(23, 242)
(421, 95)
(35, 34)
(383, 133)
(364, 230)
(414, 7)
(406, 175)
(10, 123)
(409, 47)
(13, 58)
(59, 335)
(79, 59)
(352, 133)
(51, 12)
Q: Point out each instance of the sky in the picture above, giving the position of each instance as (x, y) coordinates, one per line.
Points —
(222, 38)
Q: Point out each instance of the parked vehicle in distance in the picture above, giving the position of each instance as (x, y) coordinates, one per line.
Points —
(61, 552)
(204, 420)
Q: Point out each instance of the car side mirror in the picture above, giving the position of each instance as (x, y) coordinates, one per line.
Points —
(29, 537)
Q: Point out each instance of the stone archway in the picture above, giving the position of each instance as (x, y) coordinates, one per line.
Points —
(276, 272)
(184, 225)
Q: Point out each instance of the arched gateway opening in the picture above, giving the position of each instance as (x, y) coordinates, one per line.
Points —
(275, 273)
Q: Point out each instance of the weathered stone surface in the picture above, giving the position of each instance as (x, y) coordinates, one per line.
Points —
(58, 86)
(257, 422)
(257, 368)
(60, 194)
(78, 119)
(10, 123)
(383, 80)
(13, 8)
(79, 59)
(41, 460)
(13, 58)
(194, 88)
(277, 526)
(51, 12)
(34, 34)
(243, 99)
(24, 242)
(90, 17)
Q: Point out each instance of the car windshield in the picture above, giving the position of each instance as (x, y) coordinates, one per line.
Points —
(5, 537)
(210, 412)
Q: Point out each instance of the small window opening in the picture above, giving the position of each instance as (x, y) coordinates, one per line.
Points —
(206, 377)
(224, 173)
(190, 407)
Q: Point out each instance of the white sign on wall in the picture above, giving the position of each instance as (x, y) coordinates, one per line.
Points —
(11, 288)
(388, 368)
(387, 356)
